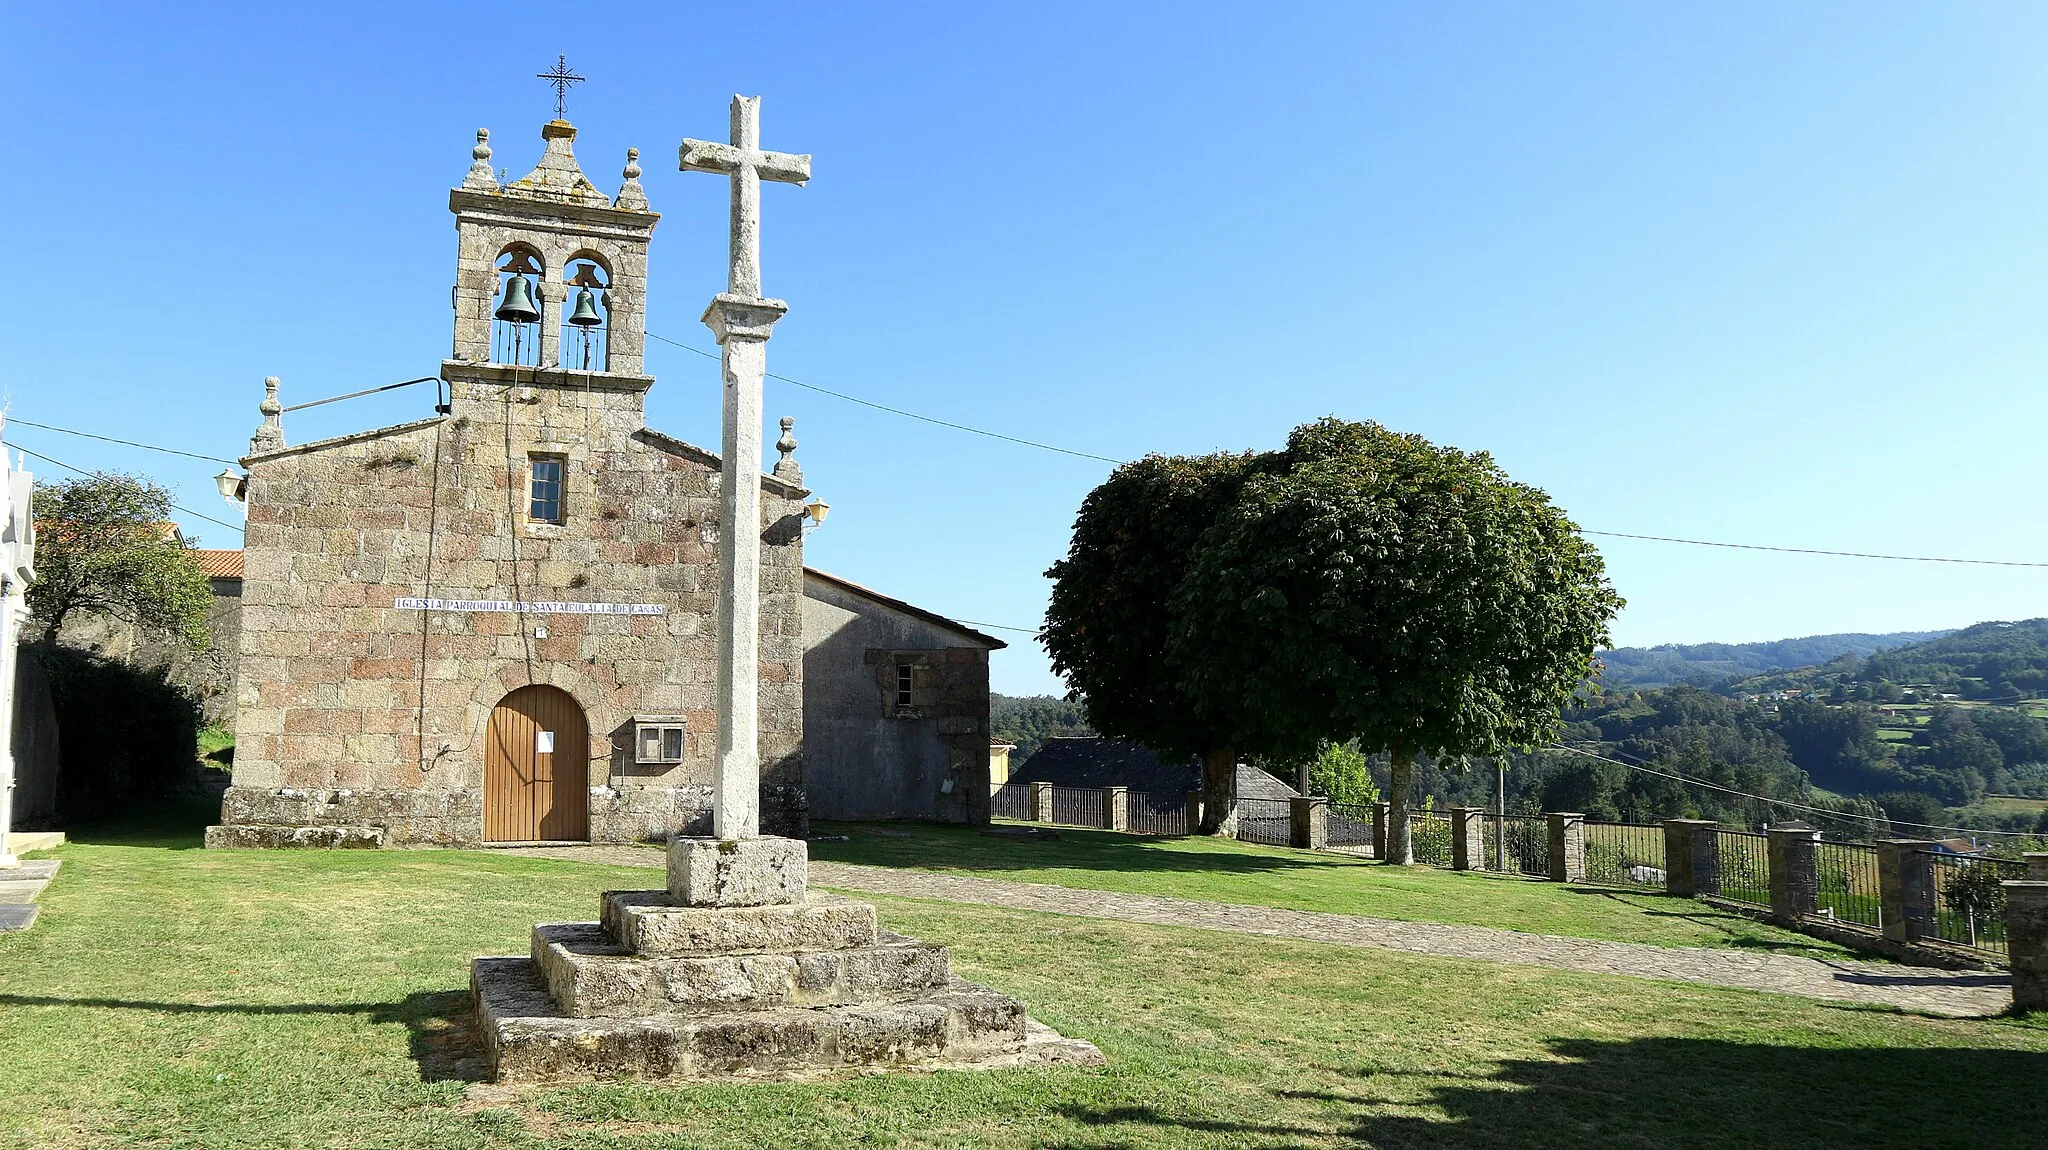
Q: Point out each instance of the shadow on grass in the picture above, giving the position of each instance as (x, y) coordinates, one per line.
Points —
(440, 1024)
(1667, 1092)
(966, 848)
(177, 824)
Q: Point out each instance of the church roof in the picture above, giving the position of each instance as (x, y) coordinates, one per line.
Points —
(1093, 761)
(933, 617)
(558, 178)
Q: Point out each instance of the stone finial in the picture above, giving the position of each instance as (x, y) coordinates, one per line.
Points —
(631, 197)
(270, 436)
(480, 177)
(786, 468)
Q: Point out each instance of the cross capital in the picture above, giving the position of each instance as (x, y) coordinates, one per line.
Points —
(744, 161)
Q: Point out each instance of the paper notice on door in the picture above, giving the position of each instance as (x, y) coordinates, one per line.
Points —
(544, 743)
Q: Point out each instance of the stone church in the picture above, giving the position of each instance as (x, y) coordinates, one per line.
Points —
(497, 624)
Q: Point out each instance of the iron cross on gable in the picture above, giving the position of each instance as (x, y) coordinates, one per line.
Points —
(559, 78)
(748, 165)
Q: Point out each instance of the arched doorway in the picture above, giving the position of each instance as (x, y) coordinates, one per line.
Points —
(537, 768)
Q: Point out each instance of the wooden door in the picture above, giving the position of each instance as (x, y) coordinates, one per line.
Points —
(537, 769)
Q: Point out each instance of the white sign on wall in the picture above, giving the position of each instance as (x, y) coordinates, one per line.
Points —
(542, 608)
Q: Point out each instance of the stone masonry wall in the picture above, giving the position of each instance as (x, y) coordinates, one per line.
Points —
(354, 712)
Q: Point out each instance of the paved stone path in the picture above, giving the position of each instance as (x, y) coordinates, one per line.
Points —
(1955, 993)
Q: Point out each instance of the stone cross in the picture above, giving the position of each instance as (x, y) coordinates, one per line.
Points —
(742, 320)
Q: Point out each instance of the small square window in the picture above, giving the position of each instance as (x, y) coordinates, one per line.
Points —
(658, 739)
(546, 489)
(903, 684)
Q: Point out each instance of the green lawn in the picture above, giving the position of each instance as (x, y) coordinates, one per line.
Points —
(1224, 870)
(179, 998)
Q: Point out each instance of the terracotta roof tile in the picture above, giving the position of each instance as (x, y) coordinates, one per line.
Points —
(220, 564)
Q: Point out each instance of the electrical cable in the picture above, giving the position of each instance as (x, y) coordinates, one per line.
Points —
(90, 474)
(122, 442)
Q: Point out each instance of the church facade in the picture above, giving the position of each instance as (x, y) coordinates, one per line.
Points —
(498, 624)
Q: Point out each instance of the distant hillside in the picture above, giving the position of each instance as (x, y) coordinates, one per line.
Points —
(1642, 668)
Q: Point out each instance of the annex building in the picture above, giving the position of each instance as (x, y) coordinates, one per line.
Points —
(497, 624)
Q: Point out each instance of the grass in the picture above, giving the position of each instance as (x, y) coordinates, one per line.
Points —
(176, 997)
(1223, 870)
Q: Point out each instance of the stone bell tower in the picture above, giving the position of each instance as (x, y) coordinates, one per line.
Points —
(582, 257)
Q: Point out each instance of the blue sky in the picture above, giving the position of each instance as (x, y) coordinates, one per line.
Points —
(1764, 273)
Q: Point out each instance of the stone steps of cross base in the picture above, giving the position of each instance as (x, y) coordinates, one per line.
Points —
(17, 915)
(20, 885)
(527, 1039)
(590, 976)
(652, 924)
(266, 836)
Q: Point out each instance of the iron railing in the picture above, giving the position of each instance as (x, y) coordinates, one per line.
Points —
(1150, 816)
(1011, 801)
(1268, 821)
(1429, 836)
(1349, 825)
(1517, 844)
(1078, 807)
(1969, 903)
(1625, 854)
(1745, 874)
(1849, 892)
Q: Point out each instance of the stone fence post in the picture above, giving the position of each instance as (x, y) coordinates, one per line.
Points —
(1308, 822)
(1567, 847)
(1041, 802)
(1905, 887)
(1194, 809)
(1468, 838)
(2026, 938)
(1795, 872)
(1116, 808)
(1379, 829)
(1685, 841)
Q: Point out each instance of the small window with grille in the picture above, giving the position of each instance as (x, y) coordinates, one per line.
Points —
(658, 739)
(903, 684)
(546, 488)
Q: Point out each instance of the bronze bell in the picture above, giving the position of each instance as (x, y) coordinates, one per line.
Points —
(519, 305)
(585, 313)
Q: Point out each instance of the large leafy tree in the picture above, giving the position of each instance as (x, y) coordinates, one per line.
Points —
(1358, 585)
(104, 545)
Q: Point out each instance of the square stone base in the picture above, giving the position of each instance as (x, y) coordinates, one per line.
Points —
(527, 1038)
(764, 871)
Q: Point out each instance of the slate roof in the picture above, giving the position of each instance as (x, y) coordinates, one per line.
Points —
(1090, 761)
(912, 610)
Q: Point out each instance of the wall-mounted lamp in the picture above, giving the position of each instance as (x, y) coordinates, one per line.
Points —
(816, 509)
(233, 488)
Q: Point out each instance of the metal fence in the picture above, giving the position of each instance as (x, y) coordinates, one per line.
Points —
(1745, 867)
(1268, 821)
(1429, 834)
(1147, 816)
(1969, 903)
(1625, 854)
(1349, 826)
(1011, 801)
(1848, 884)
(1078, 807)
(1517, 844)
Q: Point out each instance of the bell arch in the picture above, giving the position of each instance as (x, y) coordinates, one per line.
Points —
(520, 304)
(537, 768)
(586, 312)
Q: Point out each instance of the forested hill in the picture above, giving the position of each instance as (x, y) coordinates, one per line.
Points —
(1641, 668)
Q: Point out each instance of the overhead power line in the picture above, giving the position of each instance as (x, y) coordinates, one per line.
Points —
(88, 474)
(122, 442)
(1107, 459)
(1787, 804)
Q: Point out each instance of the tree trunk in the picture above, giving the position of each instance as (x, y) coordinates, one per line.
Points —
(1400, 852)
(1219, 792)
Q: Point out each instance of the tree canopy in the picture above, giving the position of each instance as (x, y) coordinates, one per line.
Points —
(104, 545)
(1357, 585)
